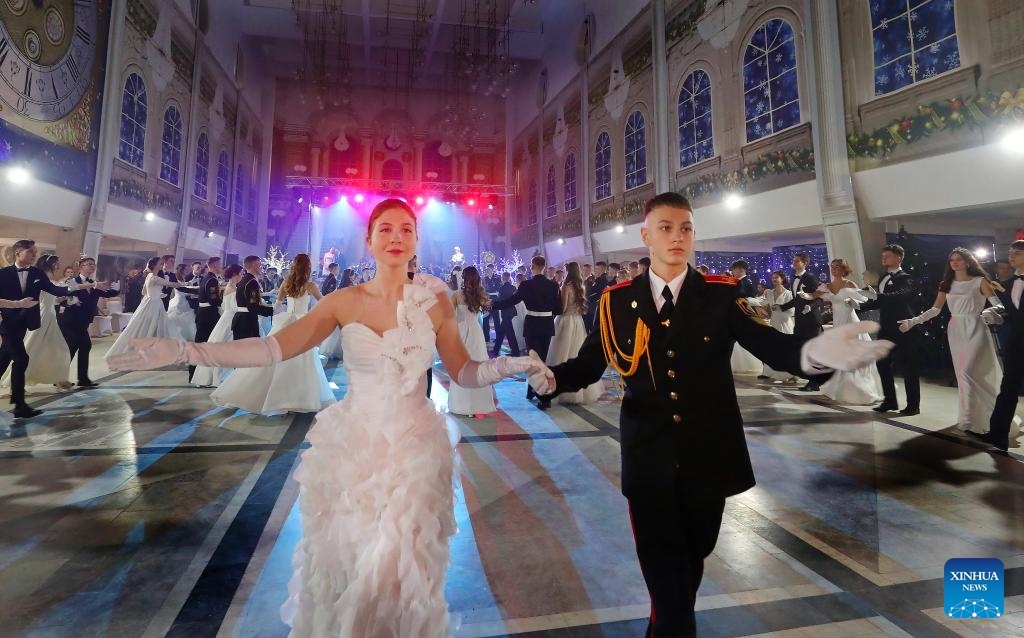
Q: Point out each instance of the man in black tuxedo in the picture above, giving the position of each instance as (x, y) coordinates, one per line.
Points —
(208, 304)
(1011, 315)
(744, 287)
(330, 283)
(133, 288)
(894, 300)
(79, 313)
(17, 282)
(540, 296)
(505, 328)
(807, 316)
(169, 274)
(193, 277)
(683, 446)
(249, 297)
(492, 283)
(595, 292)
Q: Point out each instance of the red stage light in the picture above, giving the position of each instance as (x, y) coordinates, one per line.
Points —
(471, 202)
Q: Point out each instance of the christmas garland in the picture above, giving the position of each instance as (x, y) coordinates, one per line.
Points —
(684, 24)
(944, 115)
(203, 217)
(130, 189)
(616, 214)
(796, 160)
(570, 225)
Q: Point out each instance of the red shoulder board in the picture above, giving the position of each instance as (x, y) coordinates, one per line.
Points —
(721, 279)
(616, 286)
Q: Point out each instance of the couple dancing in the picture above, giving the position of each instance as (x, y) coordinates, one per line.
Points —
(376, 483)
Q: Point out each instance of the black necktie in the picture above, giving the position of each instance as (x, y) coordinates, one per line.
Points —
(1018, 276)
(666, 309)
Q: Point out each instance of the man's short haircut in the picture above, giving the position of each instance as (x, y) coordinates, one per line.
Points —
(168, 258)
(645, 261)
(740, 263)
(895, 249)
(84, 260)
(538, 261)
(1017, 245)
(670, 199)
(802, 256)
(332, 266)
(211, 261)
(603, 264)
(250, 260)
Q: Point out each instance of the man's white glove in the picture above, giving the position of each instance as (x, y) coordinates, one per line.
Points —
(870, 293)
(806, 310)
(842, 349)
(542, 380)
(480, 374)
(806, 296)
(905, 325)
(993, 316)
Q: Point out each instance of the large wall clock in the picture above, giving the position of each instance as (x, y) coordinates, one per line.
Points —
(48, 55)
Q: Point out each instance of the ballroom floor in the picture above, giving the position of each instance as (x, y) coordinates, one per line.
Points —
(140, 509)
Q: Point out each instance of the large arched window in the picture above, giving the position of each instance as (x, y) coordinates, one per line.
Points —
(771, 99)
(223, 177)
(239, 191)
(133, 121)
(201, 188)
(913, 41)
(695, 136)
(636, 150)
(531, 206)
(170, 146)
(550, 203)
(603, 167)
(570, 182)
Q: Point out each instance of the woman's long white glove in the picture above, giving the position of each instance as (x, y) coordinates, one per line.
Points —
(151, 353)
(480, 374)
(842, 348)
(906, 324)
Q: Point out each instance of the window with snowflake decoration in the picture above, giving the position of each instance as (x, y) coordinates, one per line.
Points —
(134, 106)
(550, 203)
(603, 167)
(913, 40)
(636, 151)
(570, 182)
(223, 176)
(170, 146)
(695, 137)
(202, 166)
(771, 99)
(531, 206)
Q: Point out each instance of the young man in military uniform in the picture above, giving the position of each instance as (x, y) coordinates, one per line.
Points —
(208, 303)
(670, 333)
(249, 297)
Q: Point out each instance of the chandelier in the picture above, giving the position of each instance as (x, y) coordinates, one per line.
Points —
(325, 51)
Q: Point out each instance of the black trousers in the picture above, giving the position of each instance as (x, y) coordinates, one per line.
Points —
(1006, 400)
(906, 350)
(672, 543)
(79, 342)
(12, 352)
(540, 345)
(495, 317)
(244, 325)
(506, 330)
(206, 321)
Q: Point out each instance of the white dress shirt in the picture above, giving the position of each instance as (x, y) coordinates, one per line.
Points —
(797, 282)
(658, 284)
(1018, 288)
(885, 280)
(23, 279)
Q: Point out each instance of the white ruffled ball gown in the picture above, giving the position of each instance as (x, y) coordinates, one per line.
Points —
(781, 320)
(148, 320)
(181, 315)
(569, 336)
(469, 401)
(204, 375)
(860, 387)
(49, 359)
(295, 385)
(375, 493)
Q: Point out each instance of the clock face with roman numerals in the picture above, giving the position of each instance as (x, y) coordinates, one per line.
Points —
(47, 51)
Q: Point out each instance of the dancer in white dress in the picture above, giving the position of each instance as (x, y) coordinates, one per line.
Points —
(49, 357)
(296, 385)
(150, 318)
(964, 289)
(375, 486)
(781, 320)
(570, 333)
(863, 386)
(206, 376)
(179, 312)
(470, 300)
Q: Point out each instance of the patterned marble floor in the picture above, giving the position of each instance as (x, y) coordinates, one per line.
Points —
(140, 509)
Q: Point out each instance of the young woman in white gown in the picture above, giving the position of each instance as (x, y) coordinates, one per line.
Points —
(331, 347)
(150, 318)
(375, 486)
(206, 376)
(863, 386)
(570, 333)
(964, 289)
(296, 385)
(781, 320)
(179, 313)
(49, 359)
(470, 300)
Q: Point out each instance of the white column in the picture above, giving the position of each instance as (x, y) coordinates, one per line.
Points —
(831, 165)
(659, 65)
(110, 125)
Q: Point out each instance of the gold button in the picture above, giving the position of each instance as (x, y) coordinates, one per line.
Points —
(673, 395)
(677, 418)
(671, 374)
(706, 338)
(670, 353)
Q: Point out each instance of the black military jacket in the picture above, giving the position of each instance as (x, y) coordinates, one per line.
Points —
(681, 429)
(209, 290)
(248, 294)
